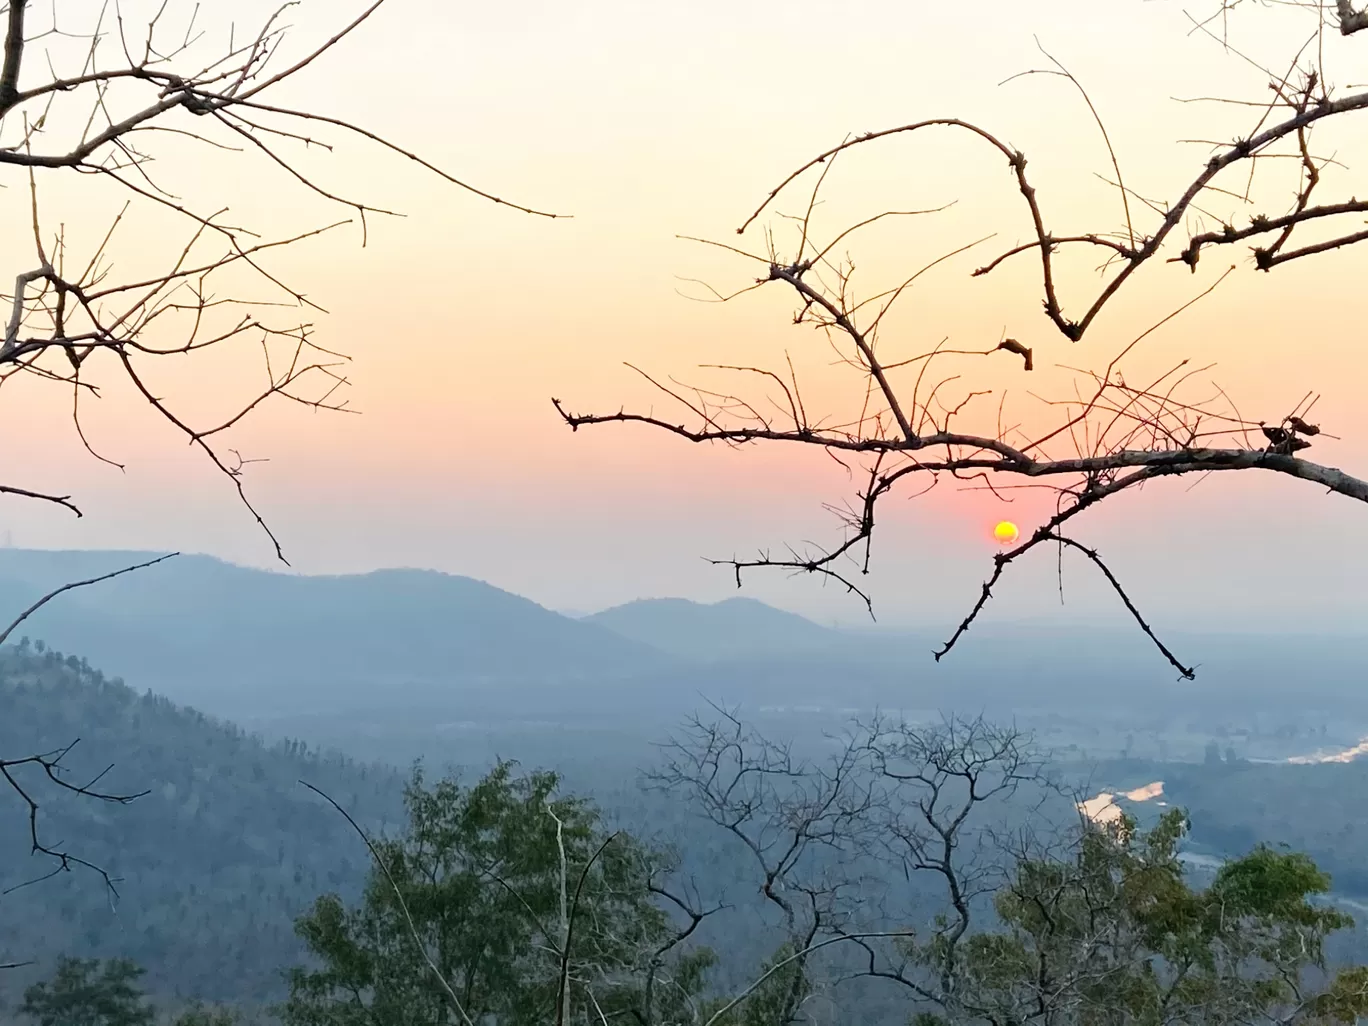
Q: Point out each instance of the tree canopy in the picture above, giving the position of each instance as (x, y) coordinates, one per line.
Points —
(503, 898)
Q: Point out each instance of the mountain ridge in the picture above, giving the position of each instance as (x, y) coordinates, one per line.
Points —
(232, 638)
(727, 629)
(259, 645)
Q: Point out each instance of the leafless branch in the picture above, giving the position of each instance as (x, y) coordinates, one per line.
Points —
(4, 635)
(51, 762)
(1350, 20)
(1111, 435)
(102, 117)
(903, 796)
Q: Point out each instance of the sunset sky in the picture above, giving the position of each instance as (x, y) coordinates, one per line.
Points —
(648, 121)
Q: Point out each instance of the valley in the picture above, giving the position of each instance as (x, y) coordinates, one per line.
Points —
(227, 847)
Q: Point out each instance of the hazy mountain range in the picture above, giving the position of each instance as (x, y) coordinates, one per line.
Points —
(245, 643)
(733, 628)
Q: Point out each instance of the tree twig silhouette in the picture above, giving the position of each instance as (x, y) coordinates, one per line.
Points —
(1111, 435)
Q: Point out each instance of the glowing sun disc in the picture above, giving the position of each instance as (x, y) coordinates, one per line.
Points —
(1006, 532)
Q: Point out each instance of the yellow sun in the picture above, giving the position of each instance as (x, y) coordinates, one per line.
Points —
(1006, 532)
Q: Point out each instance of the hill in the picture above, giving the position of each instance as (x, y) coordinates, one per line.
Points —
(440, 660)
(239, 641)
(213, 864)
(731, 629)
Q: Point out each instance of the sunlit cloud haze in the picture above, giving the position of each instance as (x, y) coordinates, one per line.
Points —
(650, 121)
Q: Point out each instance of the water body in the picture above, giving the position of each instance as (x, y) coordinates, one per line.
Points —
(1103, 807)
(1348, 755)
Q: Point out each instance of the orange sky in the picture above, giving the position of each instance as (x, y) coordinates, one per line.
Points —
(646, 121)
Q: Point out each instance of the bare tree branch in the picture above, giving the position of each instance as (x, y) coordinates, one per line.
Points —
(1111, 436)
(102, 119)
(51, 765)
(51, 762)
(4, 635)
(1350, 20)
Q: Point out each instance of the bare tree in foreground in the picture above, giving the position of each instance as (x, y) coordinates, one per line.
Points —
(800, 824)
(1037, 914)
(105, 99)
(1115, 433)
(824, 834)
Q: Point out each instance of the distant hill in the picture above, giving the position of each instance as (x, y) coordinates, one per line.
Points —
(213, 864)
(731, 629)
(240, 641)
(416, 652)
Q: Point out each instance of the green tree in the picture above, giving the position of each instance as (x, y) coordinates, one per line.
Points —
(200, 1014)
(527, 907)
(1116, 935)
(86, 992)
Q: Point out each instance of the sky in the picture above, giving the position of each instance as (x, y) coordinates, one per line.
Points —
(648, 122)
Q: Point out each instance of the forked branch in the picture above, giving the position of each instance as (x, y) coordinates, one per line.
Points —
(67, 317)
(51, 764)
(1110, 436)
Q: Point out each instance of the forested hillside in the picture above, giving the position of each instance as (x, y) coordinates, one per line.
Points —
(212, 863)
